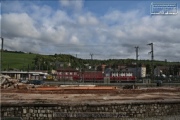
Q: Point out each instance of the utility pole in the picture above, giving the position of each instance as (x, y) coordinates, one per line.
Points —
(166, 67)
(91, 63)
(91, 54)
(167, 71)
(137, 55)
(152, 61)
(2, 42)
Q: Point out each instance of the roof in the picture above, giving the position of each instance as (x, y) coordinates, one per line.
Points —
(22, 72)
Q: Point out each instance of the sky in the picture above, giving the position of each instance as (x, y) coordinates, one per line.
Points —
(108, 29)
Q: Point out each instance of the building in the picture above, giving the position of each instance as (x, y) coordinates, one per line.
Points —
(107, 72)
(26, 75)
(161, 70)
(103, 66)
(122, 67)
(139, 72)
(143, 71)
(178, 74)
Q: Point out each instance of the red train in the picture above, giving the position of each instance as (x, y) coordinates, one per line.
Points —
(95, 76)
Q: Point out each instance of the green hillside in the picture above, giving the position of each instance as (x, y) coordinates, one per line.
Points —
(17, 60)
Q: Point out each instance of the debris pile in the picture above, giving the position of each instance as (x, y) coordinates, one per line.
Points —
(7, 82)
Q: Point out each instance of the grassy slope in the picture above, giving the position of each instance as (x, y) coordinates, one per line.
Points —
(16, 60)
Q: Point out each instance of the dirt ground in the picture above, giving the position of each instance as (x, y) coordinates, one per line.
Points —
(88, 94)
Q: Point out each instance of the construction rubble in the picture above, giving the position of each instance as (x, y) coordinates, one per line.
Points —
(6, 82)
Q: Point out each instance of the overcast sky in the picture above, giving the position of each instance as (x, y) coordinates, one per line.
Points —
(107, 29)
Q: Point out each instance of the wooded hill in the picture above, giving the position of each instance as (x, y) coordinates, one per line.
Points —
(17, 60)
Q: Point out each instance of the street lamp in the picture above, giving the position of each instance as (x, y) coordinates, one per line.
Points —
(2, 40)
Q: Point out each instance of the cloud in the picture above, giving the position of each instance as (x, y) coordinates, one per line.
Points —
(18, 25)
(118, 17)
(112, 35)
(23, 44)
(72, 4)
(74, 40)
(87, 19)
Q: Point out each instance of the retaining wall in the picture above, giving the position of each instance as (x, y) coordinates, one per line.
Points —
(89, 111)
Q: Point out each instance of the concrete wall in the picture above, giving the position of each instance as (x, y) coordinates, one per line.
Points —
(87, 111)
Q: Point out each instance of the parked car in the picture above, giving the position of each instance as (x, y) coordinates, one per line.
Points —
(24, 81)
(36, 82)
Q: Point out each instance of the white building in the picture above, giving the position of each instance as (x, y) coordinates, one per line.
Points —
(143, 71)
